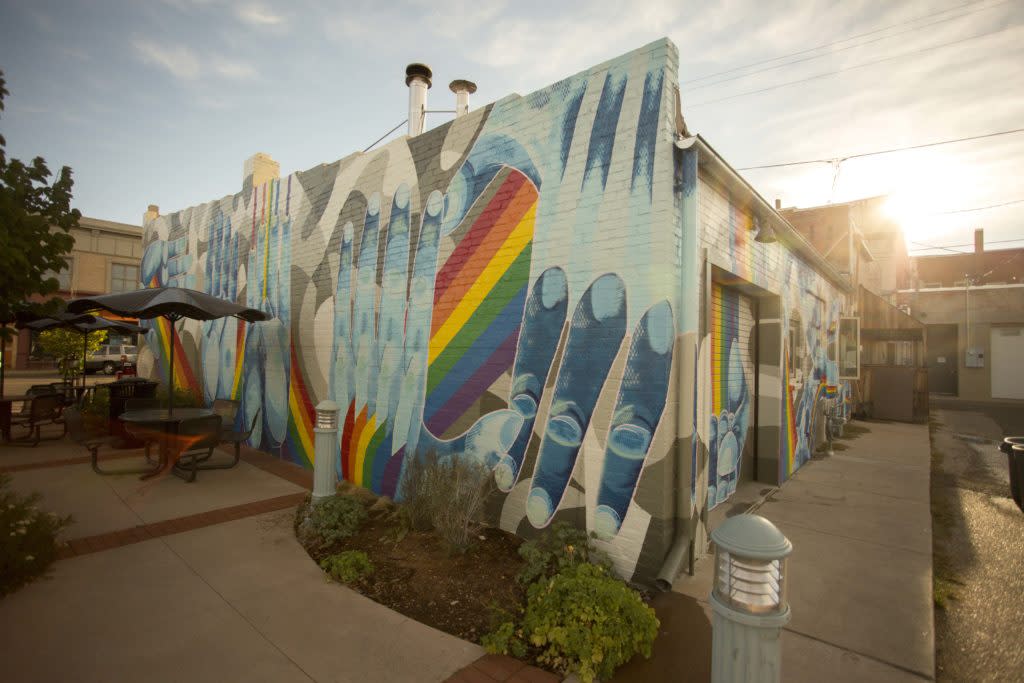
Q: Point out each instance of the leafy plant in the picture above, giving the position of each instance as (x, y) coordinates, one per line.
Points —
(350, 566)
(328, 521)
(35, 240)
(28, 544)
(560, 546)
(183, 398)
(98, 402)
(583, 621)
(448, 495)
(507, 639)
(66, 346)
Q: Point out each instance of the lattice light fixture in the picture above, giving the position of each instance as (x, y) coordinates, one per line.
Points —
(748, 600)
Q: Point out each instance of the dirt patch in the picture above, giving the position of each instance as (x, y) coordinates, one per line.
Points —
(416, 574)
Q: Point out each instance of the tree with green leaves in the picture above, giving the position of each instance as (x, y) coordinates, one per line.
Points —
(36, 219)
(67, 346)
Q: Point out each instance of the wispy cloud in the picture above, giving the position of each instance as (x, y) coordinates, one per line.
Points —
(258, 14)
(178, 60)
(233, 70)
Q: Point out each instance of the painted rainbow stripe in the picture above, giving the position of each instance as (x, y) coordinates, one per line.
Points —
(789, 440)
(478, 304)
(724, 328)
(184, 377)
(298, 443)
(239, 358)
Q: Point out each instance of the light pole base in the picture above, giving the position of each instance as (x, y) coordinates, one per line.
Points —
(745, 648)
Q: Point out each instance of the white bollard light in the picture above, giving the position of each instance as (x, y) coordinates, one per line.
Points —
(325, 450)
(748, 600)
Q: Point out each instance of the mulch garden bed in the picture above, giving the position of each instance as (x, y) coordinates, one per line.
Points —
(416, 574)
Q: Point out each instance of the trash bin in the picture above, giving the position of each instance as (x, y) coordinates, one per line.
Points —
(120, 392)
(1013, 446)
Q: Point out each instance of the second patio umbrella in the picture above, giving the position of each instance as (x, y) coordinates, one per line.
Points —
(172, 303)
(87, 324)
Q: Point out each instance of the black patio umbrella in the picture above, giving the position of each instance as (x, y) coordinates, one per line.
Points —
(84, 324)
(56, 320)
(172, 303)
(21, 317)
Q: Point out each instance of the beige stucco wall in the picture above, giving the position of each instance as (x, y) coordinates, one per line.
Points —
(988, 306)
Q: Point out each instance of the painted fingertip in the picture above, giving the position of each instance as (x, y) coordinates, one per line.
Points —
(629, 441)
(659, 327)
(607, 296)
(525, 405)
(402, 196)
(435, 202)
(554, 288)
(539, 507)
(565, 431)
(505, 473)
(373, 204)
(606, 522)
(347, 232)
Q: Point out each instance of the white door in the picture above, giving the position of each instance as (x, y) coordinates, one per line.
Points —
(1008, 362)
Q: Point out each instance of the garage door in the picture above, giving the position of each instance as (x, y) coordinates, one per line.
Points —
(732, 391)
(1008, 362)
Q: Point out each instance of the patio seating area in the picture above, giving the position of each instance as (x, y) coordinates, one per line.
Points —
(185, 439)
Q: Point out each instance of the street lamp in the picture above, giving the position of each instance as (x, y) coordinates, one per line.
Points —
(748, 600)
(325, 450)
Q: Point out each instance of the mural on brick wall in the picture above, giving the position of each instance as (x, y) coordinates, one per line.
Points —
(726, 390)
(482, 291)
(731, 391)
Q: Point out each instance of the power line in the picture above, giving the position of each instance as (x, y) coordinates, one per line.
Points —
(849, 68)
(979, 208)
(835, 42)
(890, 151)
(950, 247)
(842, 49)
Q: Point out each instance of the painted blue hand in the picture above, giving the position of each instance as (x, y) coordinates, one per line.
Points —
(728, 431)
(265, 372)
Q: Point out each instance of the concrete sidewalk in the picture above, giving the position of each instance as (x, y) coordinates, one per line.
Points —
(860, 576)
(168, 581)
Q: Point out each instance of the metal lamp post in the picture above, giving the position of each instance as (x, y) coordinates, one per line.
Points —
(748, 600)
(325, 450)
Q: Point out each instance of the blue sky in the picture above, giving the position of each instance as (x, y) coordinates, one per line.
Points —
(161, 101)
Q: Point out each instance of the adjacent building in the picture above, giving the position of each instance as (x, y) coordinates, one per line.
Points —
(567, 287)
(972, 305)
(105, 259)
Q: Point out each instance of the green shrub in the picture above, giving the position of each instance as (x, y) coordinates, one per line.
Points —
(98, 403)
(328, 521)
(350, 566)
(28, 543)
(448, 495)
(183, 398)
(560, 546)
(583, 621)
(507, 639)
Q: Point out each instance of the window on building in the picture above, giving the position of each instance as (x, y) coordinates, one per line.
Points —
(849, 348)
(63, 277)
(123, 278)
(796, 346)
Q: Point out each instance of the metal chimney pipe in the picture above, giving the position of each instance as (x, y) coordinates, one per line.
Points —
(979, 241)
(417, 77)
(462, 89)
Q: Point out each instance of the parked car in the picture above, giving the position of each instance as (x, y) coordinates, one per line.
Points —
(109, 357)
